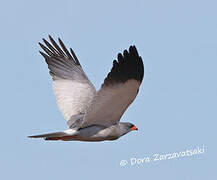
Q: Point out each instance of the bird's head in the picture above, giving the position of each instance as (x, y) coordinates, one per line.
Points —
(126, 127)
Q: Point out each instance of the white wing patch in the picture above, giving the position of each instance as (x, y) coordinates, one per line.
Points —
(71, 86)
(73, 97)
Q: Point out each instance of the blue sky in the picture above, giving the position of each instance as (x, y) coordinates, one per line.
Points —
(174, 111)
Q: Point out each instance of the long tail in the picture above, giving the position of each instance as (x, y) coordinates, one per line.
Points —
(53, 136)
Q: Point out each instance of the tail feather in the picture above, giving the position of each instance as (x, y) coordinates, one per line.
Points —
(50, 136)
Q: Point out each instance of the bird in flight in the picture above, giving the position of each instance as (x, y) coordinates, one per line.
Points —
(90, 114)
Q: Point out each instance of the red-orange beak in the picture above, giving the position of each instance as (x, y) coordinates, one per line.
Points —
(134, 128)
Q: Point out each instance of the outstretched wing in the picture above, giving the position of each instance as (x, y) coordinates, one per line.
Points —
(118, 91)
(71, 86)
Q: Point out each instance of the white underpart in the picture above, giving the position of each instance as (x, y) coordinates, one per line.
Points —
(73, 97)
(70, 131)
(110, 103)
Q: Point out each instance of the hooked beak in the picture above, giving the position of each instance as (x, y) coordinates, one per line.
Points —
(134, 128)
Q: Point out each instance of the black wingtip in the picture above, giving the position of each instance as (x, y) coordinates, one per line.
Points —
(133, 50)
(53, 50)
(64, 48)
(43, 54)
(75, 57)
(125, 53)
(129, 66)
(39, 44)
(50, 37)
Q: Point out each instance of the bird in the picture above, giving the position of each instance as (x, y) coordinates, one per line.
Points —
(92, 115)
